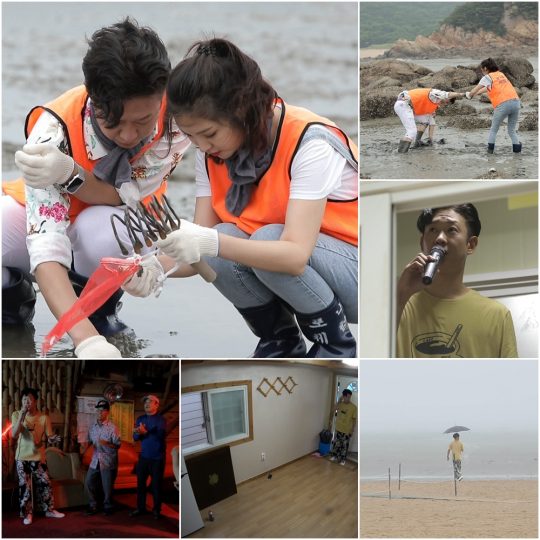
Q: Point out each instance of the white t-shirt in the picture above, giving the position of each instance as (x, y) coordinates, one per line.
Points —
(317, 171)
(486, 81)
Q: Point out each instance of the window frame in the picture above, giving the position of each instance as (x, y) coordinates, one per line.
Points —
(232, 441)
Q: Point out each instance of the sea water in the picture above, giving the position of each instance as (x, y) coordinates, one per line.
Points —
(487, 455)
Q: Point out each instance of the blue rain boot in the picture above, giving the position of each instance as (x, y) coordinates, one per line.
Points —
(329, 331)
(516, 148)
(490, 148)
(105, 319)
(277, 328)
(18, 300)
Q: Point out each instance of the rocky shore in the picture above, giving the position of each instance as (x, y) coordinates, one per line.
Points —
(382, 80)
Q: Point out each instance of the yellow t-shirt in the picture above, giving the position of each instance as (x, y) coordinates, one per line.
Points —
(346, 413)
(457, 449)
(470, 326)
(31, 440)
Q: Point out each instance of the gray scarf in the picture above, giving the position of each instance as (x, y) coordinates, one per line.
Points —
(245, 171)
(113, 168)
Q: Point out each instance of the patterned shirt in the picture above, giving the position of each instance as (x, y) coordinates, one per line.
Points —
(107, 457)
(47, 209)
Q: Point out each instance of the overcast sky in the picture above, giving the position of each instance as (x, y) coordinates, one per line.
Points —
(433, 395)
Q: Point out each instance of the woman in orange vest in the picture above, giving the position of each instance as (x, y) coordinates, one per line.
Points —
(276, 208)
(418, 106)
(97, 146)
(503, 97)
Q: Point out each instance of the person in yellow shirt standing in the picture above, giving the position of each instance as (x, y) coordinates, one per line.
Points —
(32, 430)
(456, 447)
(345, 423)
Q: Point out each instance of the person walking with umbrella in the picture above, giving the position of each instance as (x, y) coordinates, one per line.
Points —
(456, 447)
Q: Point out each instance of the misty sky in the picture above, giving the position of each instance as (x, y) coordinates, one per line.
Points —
(433, 395)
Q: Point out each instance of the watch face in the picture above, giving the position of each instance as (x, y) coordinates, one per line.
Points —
(74, 184)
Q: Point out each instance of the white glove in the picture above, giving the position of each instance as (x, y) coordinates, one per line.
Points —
(190, 242)
(468, 95)
(149, 281)
(97, 347)
(43, 165)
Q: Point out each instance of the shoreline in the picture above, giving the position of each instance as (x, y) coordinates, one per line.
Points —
(492, 509)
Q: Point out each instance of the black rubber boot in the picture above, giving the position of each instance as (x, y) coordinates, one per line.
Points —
(403, 146)
(105, 318)
(516, 148)
(18, 300)
(329, 331)
(416, 143)
(491, 148)
(277, 328)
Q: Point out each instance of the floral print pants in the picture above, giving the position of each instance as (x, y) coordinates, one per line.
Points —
(42, 497)
(341, 446)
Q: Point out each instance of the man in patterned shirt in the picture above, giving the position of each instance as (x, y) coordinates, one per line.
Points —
(105, 437)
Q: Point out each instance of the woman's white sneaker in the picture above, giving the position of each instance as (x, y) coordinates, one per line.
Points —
(28, 520)
(54, 514)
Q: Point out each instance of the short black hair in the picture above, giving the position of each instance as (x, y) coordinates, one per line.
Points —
(347, 392)
(30, 391)
(467, 211)
(489, 64)
(456, 435)
(124, 61)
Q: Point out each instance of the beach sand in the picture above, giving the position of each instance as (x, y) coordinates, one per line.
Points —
(482, 509)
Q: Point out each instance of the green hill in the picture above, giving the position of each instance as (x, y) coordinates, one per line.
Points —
(386, 22)
(488, 15)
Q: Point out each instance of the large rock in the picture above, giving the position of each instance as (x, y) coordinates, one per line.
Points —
(518, 70)
(459, 108)
(384, 82)
(471, 121)
(420, 47)
(378, 103)
(529, 123)
(449, 78)
(394, 69)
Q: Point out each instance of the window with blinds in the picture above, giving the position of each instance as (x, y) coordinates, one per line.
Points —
(215, 416)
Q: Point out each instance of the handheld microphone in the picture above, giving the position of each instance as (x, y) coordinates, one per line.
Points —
(437, 252)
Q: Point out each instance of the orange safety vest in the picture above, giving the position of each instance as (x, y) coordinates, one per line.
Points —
(69, 111)
(420, 101)
(270, 197)
(501, 89)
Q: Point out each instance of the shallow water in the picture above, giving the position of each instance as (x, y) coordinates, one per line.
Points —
(487, 455)
(299, 51)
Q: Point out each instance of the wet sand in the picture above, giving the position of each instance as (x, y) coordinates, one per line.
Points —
(482, 509)
(462, 156)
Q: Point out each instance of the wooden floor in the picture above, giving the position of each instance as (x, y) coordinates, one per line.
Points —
(310, 498)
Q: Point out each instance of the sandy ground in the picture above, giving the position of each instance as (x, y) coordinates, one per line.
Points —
(462, 156)
(482, 509)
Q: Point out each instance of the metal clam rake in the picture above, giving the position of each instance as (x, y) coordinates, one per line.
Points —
(152, 223)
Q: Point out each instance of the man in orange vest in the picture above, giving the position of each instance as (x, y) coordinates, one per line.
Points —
(505, 101)
(418, 106)
(95, 147)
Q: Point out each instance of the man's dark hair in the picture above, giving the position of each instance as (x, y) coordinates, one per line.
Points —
(490, 65)
(124, 61)
(456, 435)
(467, 211)
(29, 392)
(347, 392)
(219, 82)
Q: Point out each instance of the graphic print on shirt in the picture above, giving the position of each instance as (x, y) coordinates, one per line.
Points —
(439, 344)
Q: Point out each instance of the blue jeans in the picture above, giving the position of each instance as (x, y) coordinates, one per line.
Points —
(505, 109)
(331, 269)
(93, 479)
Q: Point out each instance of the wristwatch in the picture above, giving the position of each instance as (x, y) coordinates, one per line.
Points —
(73, 184)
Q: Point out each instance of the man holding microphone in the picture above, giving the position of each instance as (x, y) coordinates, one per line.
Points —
(437, 315)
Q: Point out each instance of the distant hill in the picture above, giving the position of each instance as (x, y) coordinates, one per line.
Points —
(490, 16)
(386, 22)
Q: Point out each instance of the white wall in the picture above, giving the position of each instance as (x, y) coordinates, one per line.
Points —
(285, 427)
